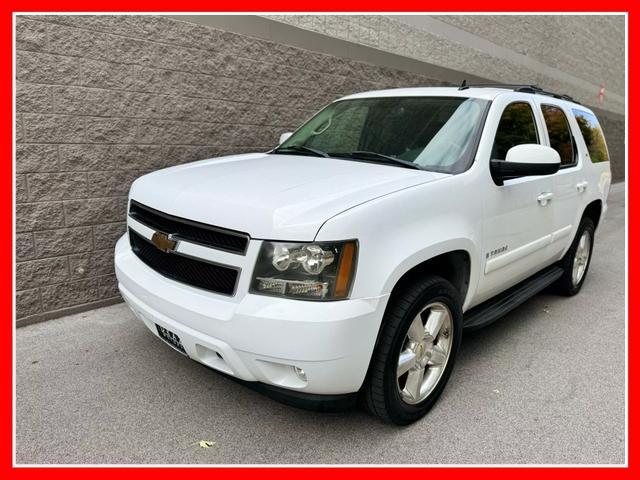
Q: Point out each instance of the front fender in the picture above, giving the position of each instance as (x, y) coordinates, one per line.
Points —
(403, 229)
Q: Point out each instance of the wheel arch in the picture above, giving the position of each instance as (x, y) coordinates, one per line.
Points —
(454, 266)
(593, 211)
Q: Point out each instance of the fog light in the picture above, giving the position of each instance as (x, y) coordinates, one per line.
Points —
(300, 373)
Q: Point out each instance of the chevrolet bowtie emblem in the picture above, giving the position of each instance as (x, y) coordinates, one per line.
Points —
(163, 242)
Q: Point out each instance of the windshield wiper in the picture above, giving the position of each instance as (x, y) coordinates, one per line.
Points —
(363, 155)
(301, 149)
(358, 154)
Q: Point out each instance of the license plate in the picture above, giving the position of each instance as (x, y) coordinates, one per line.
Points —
(171, 338)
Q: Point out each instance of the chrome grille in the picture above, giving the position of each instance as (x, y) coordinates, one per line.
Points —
(192, 231)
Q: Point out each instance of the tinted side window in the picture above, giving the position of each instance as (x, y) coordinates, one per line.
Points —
(559, 133)
(517, 126)
(592, 134)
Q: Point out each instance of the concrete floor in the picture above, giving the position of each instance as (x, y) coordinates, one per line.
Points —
(546, 384)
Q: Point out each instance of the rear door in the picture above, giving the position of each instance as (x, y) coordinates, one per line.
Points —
(569, 183)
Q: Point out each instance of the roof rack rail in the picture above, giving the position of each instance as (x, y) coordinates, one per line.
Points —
(517, 87)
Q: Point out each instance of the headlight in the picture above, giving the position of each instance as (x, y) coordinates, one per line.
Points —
(310, 271)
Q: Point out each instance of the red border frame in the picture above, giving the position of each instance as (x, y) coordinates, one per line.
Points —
(6, 144)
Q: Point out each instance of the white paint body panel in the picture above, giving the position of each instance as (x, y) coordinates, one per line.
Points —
(400, 217)
(284, 197)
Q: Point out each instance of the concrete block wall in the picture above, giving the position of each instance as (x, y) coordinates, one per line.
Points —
(590, 47)
(103, 99)
(571, 54)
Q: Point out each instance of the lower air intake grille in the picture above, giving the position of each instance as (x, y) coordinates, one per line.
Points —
(200, 274)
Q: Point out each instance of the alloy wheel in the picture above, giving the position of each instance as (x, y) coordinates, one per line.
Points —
(425, 353)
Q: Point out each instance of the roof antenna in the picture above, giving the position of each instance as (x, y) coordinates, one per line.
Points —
(463, 85)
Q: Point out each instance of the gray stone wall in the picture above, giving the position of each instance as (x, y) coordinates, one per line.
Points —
(570, 54)
(590, 47)
(104, 99)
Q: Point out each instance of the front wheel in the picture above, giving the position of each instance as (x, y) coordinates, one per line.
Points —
(418, 343)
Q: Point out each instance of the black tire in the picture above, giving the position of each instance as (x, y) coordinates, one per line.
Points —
(565, 284)
(380, 393)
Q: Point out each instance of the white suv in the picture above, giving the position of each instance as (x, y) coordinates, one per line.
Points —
(347, 261)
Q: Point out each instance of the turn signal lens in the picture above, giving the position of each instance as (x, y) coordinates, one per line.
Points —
(345, 270)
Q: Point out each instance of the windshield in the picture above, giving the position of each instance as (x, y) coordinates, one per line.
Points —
(434, 133)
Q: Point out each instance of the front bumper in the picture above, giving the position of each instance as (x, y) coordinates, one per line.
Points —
(258, 338)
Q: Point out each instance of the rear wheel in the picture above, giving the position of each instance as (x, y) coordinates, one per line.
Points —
(576, 261)
(418, 343)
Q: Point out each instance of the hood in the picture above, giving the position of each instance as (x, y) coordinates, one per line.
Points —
(277, 197)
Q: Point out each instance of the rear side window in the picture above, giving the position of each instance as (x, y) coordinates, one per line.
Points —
(592, 134)
(517, 126)
(560, 136)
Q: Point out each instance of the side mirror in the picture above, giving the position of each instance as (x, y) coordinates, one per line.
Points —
(524, 161)
(284, 137)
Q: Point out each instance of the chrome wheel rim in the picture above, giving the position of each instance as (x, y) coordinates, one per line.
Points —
(581, 258)
(425, 353)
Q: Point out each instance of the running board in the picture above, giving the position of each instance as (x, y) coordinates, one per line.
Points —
(498, 306)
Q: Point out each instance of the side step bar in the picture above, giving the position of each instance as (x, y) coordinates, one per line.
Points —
(494, 308)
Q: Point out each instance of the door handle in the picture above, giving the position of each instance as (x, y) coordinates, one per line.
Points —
(545, 198)
(582, 186)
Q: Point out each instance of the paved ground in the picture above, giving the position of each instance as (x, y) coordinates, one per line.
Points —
(543, 385)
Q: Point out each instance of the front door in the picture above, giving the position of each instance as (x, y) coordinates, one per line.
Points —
(518, 216)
